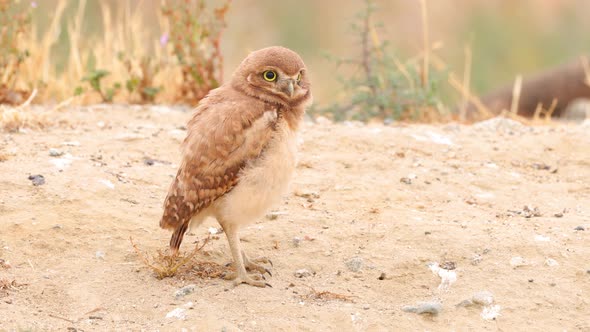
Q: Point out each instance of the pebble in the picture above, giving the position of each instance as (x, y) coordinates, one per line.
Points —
(580, 228)
(405, 180)
(99, 255)
(476, 259)
(430, 308)
(185, 291)
(500, 124)
(55, 152)
(37, 179)
(491, 312)
(302, 273)
(177, 313)
(551, 262)
(354, 264)
(517, 261)
(296, 241)
(483, 298)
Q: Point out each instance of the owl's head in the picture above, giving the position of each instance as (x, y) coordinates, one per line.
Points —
(274, 74)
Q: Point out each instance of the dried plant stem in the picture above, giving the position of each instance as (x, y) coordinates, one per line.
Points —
(466, 83)
(516, 94)
(481, 108)
(426, 44)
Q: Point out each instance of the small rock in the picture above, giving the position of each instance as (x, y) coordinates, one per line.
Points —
(354, 264)
(57, 226)
(483, 298)
(476, 259)
(551, 262)
(490, 312)
(55, 152)
(189, 305)
(580, 228)
(366, 307)
(37, 179)
(296, 241)
(430, 308)
(302, 273)
(382, 276)
(558, 215)
(529, 212)
(99, 255)
(177, 313)
(405, 180)
(448, 265)
(541, 238)
(185, 291)
(149, 161)
(517, 261)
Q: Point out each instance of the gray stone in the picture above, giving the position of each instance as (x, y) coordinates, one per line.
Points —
(355, 264)
(185, 291)
(302, 273)
(425, 308)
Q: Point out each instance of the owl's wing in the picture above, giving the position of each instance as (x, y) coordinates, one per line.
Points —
(222, 138)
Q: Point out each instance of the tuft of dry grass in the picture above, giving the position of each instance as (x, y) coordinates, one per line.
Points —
(3, 263)
(177, 61)
(7, 286)
(165, 265)
(325, 296)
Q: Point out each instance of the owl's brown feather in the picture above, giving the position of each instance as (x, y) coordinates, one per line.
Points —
(223, 137)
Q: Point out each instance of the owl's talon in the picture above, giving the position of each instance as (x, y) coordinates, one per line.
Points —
(247, 280)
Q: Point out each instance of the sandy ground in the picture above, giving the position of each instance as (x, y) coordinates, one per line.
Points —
(371, 208)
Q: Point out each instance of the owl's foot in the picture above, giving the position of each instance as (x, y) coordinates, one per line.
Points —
(251, 265)
(257, 280)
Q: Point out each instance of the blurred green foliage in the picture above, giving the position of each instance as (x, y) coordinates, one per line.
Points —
(382, 86)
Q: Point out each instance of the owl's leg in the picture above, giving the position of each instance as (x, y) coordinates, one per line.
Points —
(251, 265)
(242, 276)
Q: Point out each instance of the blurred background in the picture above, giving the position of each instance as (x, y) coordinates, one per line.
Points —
(496, 39)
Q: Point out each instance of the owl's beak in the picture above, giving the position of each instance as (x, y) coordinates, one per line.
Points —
(287, 87)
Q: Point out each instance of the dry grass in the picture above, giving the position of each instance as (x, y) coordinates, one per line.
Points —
(3, 263)
(165, 265)
(144, 67)
(7, 286)
(325, 296)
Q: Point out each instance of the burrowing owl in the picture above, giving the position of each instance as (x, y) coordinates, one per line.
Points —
(240, 151)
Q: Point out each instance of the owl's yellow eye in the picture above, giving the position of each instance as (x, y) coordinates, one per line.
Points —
(269, 76)
(299, 77)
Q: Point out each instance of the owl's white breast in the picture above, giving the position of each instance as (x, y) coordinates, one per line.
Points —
(263, 182)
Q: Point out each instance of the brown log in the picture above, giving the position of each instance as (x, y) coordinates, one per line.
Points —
(564, 83)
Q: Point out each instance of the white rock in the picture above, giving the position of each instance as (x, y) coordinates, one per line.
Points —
(177, 313)
(491, 312)
(483, 298)
(107, 183)
(551, 262)
(448, 277)
(99, 255)
(517, 261)
(302, 273)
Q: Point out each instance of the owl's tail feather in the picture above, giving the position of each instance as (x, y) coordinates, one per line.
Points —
(176, 238)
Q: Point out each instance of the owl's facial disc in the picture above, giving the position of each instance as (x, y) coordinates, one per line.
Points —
(286, 86)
